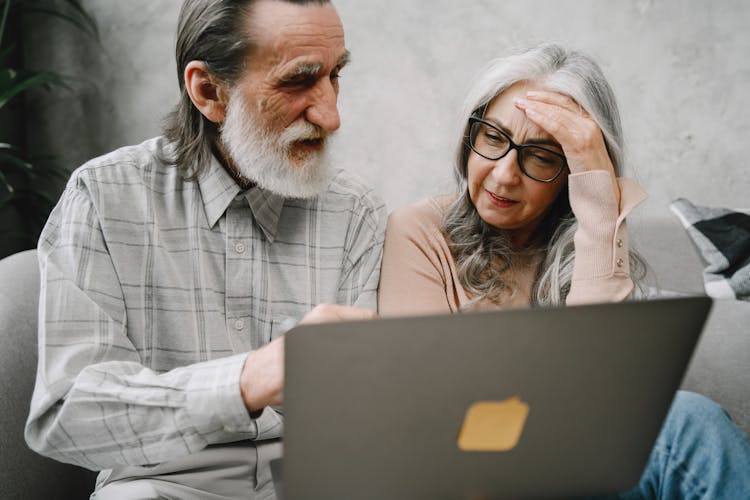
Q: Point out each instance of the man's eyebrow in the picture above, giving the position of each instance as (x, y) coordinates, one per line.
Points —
(345, 58)
(307, 69)
(302, 70)
(537, 142)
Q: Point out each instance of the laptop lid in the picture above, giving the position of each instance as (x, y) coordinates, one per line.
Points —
(567, 401)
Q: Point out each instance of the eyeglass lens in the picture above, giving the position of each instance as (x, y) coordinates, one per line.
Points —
(536, 162)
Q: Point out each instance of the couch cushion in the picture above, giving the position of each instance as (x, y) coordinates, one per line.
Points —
(723, 238)
(674, 261)
(720, 368)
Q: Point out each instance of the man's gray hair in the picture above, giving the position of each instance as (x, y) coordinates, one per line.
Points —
(217, 33)
(483, 252)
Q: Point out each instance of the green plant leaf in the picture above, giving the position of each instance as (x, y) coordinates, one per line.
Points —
(16, 161)
(13, 83)
(6, 52)
(41, 201)
(6, 190)
(37, 190)
(5, 184)
(6, 8)
(33, 166)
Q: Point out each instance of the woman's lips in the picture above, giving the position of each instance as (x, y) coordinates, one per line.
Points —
(500, 201)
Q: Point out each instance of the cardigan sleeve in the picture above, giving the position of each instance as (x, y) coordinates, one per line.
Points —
(601, 272)
(416, 262)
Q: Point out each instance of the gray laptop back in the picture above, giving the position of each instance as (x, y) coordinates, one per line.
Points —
(373, 410)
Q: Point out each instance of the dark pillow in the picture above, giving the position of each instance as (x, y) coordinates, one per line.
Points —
(723, 240)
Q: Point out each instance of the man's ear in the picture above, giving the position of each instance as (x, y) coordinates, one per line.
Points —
(207, 93)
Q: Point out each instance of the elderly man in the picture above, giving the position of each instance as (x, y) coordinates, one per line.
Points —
(171, 269)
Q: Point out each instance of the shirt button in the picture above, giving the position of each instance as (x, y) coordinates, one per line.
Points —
(620, 262)
(239, 324)
(239, 247)
(619, 243)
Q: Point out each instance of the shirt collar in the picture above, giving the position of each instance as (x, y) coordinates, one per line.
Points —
(218, 189)
(266, 207)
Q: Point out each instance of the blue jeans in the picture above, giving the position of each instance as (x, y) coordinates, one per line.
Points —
(699, 453)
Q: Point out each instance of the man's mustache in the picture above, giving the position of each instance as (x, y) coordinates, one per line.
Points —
(302, 131)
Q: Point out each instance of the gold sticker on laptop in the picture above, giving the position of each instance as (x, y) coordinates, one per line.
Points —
(493, 425)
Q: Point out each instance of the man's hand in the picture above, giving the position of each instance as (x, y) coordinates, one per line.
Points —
(325, 313)
(262, 377)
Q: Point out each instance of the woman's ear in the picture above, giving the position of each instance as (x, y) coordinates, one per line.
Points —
(208, 94)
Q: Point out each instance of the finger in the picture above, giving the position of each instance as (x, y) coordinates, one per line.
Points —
(553, 119)
(324, 313)
(581, 138)
(355, 313)
(571, 130)
(557, 99)
(554, 111)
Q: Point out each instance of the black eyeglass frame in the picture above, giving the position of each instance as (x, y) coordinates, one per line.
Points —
(517, 147)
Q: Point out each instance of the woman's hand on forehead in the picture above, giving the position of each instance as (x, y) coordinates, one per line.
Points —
(571, 126)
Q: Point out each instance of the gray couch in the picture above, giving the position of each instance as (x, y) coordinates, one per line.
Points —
(720, 368)
(24, 474)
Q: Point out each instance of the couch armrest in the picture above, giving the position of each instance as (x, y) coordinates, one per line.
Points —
(23, 473)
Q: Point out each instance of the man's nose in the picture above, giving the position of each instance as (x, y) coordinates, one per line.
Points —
(507, 169)
(323, 110)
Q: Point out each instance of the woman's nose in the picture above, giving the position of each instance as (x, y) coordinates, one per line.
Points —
(507, 169)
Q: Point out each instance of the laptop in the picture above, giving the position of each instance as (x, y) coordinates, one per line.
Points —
(524, 403)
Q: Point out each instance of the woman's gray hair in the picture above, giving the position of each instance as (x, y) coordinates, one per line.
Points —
(217, 33)
(483, 252)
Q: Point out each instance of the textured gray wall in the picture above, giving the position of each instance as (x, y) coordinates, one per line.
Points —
(680, 69)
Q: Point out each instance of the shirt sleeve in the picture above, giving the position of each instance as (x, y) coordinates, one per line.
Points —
(361, 270)
(601, 271)
(94, 403)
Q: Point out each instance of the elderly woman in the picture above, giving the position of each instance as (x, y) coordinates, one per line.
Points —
(539, 213)
(539, 219)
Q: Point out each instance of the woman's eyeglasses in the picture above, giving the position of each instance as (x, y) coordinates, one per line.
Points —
(537, 162)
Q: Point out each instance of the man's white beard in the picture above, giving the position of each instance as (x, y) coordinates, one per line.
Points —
(264, 157)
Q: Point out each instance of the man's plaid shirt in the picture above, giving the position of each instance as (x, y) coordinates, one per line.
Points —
(154, 288)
